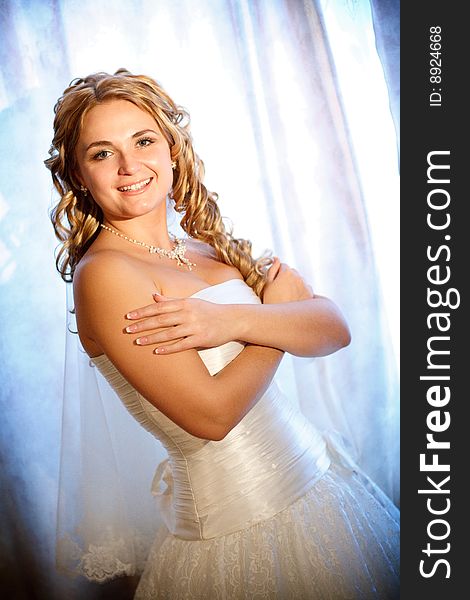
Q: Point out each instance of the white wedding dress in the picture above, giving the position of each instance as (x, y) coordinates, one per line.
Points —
(272, 511)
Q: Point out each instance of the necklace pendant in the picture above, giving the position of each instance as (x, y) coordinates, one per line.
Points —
(178, 252)
(185, 262)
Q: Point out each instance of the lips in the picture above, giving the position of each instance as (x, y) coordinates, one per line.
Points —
(134, 187)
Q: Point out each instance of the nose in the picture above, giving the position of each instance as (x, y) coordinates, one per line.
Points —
(128, 164)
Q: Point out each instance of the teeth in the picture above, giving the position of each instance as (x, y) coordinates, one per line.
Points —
(135, 186)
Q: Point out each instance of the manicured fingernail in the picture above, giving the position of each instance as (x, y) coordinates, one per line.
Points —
(156, 295)
(131, 315)
(131, 328)
(141, 341)
(159, 350)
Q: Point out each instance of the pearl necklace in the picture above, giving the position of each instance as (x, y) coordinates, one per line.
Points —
(178, 252)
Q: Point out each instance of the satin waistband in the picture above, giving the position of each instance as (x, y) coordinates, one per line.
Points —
(270, 459)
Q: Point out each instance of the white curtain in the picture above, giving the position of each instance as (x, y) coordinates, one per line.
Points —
(291, 116)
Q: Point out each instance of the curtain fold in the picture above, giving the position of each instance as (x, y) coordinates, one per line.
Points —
(386, 19)
(271, 119)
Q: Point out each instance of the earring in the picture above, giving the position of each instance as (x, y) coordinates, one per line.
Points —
(84, 190)
(173, 165)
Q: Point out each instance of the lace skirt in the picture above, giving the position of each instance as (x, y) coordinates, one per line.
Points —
(340, 540)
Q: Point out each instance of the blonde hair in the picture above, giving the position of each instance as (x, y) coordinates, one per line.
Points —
(76, 218)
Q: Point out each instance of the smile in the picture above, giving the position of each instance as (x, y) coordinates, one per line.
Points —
(135, 186)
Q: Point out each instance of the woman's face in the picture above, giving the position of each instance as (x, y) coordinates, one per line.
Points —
(124, 160)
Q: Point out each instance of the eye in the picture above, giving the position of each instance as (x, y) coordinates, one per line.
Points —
(144, 142)
(101, 155)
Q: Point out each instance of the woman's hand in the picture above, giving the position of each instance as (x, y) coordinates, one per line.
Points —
(174, 325)
(182, 324)
(285, 284)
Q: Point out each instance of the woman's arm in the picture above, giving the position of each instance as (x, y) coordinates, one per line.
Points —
(313, 327)
(291, 318)
(179, 384)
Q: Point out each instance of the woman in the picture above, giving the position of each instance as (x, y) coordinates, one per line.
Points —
(255, 506)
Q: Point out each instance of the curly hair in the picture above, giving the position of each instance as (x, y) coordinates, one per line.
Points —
(76, 218)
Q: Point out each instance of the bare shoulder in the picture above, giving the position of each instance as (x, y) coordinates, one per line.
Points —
(106, 268)
(106, 262)
(106, 284)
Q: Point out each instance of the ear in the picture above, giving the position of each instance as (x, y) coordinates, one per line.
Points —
(76, 178)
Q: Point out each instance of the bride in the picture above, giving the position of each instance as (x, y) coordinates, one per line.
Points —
(190, 332)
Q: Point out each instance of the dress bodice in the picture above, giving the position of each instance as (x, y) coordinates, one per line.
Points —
(209, 488)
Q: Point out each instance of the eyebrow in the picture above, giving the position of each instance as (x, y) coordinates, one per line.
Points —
(107, 143)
